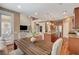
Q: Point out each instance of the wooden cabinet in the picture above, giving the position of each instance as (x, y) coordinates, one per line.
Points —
(47, 37)
(50, 37)
(74, 45)
(76, 18)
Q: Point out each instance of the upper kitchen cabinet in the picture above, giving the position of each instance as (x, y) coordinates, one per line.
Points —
(76, 18)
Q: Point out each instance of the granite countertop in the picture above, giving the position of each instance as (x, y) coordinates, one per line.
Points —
(73, 36)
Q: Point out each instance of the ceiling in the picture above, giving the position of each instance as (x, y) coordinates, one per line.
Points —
(44, 11)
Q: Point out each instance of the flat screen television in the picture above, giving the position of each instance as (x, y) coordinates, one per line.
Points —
(23, 27)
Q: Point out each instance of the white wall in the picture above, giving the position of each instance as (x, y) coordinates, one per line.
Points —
(24, 20)
(66, 26)
(40, 24)
(33, 26)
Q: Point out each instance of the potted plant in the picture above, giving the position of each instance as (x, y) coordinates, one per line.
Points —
(33, 39)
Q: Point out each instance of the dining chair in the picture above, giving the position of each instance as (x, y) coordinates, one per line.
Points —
(56, 48)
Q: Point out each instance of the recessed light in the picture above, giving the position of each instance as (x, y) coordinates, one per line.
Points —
(65, 12)
(36, 13)
(19, 6)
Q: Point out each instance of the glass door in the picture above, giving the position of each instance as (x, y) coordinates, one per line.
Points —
(6, 24)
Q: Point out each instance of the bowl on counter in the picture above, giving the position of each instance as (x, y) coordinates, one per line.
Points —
(77, 33)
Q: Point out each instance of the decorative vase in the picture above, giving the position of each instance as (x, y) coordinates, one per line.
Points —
(33, 39)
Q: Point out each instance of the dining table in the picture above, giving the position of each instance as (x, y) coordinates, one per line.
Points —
(39, 47)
